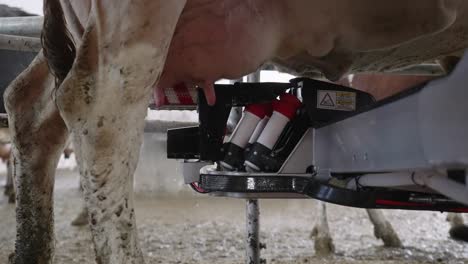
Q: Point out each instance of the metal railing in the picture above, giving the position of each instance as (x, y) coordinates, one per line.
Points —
(21, 33)
(22, 26)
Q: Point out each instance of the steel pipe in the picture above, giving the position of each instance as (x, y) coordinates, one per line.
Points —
(427, 69)
(421, 69)
(434, 180)
(19, 43)
(22, 26)
(151, 126)
(161, 126)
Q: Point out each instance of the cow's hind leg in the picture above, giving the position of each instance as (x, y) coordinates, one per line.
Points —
(104, 101)
(38, 135)
(458, 229)
(82, 218)
(383, 229)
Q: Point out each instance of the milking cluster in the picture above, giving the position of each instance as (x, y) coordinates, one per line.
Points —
(257, 132)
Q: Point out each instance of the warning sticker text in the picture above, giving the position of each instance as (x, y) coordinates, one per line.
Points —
(336, 100)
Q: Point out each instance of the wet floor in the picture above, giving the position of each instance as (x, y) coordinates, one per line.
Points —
(200, 229)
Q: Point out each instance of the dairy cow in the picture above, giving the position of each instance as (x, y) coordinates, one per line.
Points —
(103, 59)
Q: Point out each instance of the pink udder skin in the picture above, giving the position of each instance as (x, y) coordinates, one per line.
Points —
(217, 39)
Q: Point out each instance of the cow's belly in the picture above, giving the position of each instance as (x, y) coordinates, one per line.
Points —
(452, 40)
(231, 38)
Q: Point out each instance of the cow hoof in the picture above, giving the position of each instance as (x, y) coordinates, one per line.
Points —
(314, 232)
(11, 198)
(10, 193)
(81, 219)
(459, 233)
(324, 246)
(388, 236)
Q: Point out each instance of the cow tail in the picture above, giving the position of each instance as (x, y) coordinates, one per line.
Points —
(57, 43)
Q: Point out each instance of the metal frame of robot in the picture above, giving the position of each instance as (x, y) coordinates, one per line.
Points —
(408, 152)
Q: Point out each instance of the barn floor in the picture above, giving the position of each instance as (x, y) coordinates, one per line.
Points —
(210, 230)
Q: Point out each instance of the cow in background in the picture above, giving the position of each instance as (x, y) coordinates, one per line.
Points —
(12, 63)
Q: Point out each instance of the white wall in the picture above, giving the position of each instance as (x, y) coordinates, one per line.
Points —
(156, 175)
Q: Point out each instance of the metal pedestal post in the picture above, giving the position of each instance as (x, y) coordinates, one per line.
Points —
(253, 214)
(253, 232)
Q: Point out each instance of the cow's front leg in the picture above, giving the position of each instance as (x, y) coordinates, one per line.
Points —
(107, 131)
(38, 135)
(82, 218)
(109, 142)
(104, 102)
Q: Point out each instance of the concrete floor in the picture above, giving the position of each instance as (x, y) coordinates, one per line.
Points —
(178, 226)
(201, 229)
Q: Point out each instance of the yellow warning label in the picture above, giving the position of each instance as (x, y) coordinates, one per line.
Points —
(336, 100)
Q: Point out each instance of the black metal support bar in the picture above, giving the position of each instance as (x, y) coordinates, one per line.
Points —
(362, 198)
